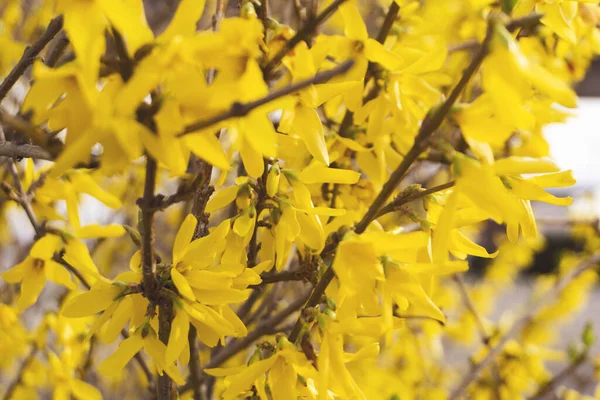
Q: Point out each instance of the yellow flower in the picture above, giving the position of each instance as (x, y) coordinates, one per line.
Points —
(36, 268)
(334, 377)
(65, 384)
(303, 120)
(505, 196)
(283, 368)
(145, 338)
(357, 45)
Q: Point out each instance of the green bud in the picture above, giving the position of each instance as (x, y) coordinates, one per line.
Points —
(587, 336)
(273, 180)
(134, 235)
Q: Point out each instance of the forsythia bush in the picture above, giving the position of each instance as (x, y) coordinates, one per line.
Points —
(293, 205)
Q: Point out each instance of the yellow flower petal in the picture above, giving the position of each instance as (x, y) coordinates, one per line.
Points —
(118, 319)
(116, 362)
(58, 274)
(523, 165)
(282, 379)
(97, 231)
(441, 236)
(209, 280)
(221, 198)
(84, 391)
(354, 26)
(78, 255)
(46, 247)
(32, 285)
(244, 380)
(554, 180)
(529, 191)
(458, 241)
(376, 52)
(207, 147)
(307, 125)
(84, 183)
(184, 237)
(16, 273)
(90, 302)
(178, 336)
(319, 173)
(184, 22)
(182, 284)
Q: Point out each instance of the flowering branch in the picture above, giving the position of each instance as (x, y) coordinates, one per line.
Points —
(303, 34)
(401, 199)
(430, 125)
(265, 327)
(390, 17)
(29, 55)
(242, 109)
(522, 322)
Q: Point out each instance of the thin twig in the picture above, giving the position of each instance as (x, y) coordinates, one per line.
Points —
(148, 260)
(302, 34)
(19, 377)
(523, 321)
(13, 150)
(517, 23)
(29, 55)
(549, 387)
(242, 109)
(166, 389)
(54, 53)
(36, 134)
(483, 333)
(218, 16)
(397, 203)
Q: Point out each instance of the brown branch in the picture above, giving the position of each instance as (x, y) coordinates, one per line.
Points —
(304, 33)
(395, 204)
(218, 16)
(166, 389)
(74, 271)
(284, 276)
(185, 191)
(194, 364)
(549, 387)
(29, 55)
(239, 110)
(468, 302)
(13, 150)
(21, 195)
(54, 53)
(523, 322)
(261, 195)
(36, 134)
(516, 23)
(483, 333)
(19, 377)
(148, 260)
